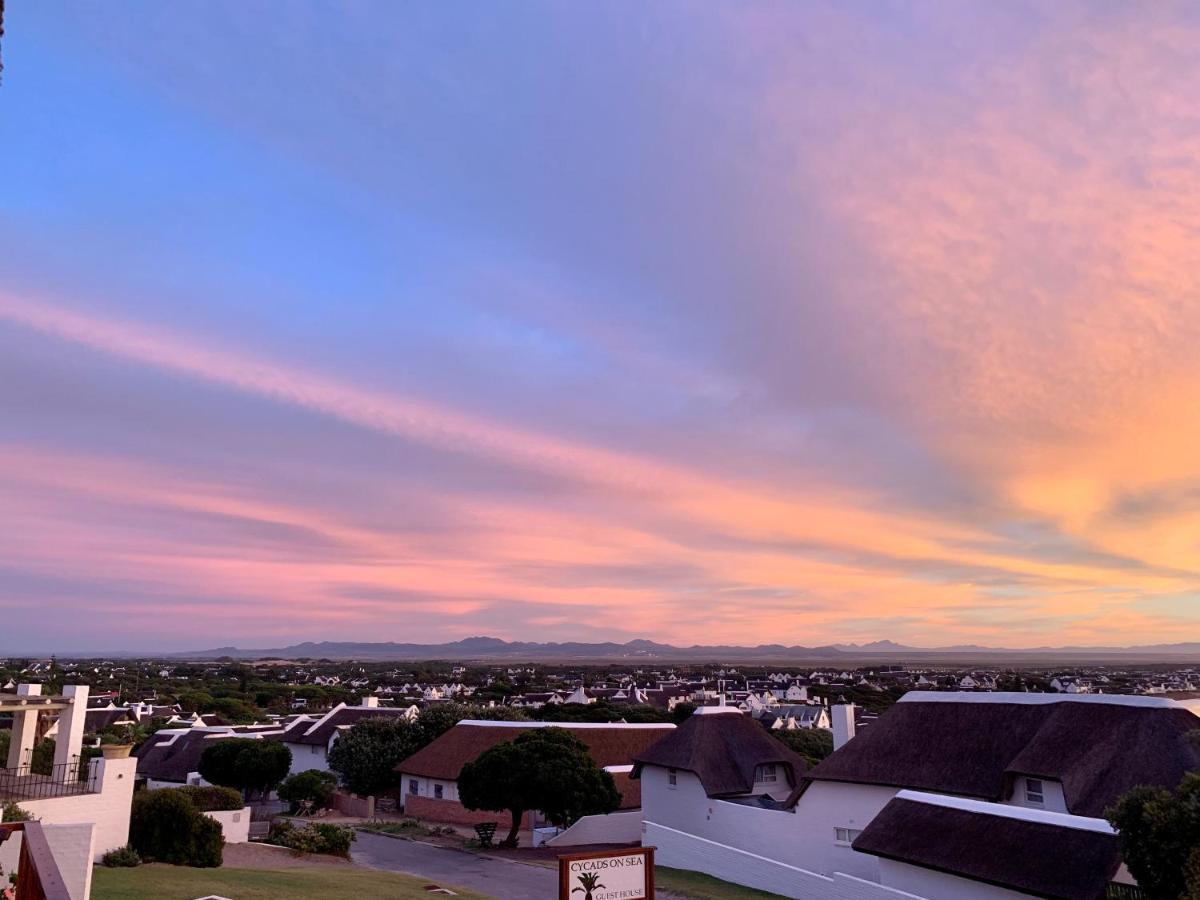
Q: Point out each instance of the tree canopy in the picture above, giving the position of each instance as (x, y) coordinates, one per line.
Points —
(814, 744)
(1160, 838)
(246, 764)
(546, 769)
(365, 757)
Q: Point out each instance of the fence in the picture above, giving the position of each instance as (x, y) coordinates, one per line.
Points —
(41, 782)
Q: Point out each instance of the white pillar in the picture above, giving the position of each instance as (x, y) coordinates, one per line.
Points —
(24, 729)
(69, 742)
(369, 701)
(843, 723)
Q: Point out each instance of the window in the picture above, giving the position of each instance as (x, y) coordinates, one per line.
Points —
(412, 787)
(845, 835)
(672, 777)
(766, 774)
(437, 792)
(1034, 792)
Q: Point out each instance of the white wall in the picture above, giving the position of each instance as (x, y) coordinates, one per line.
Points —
(1052, 796)
(235, 824)
(308, 756)
(108, 809)
(615, 828)
(939, 886)
(827, 805)
(73, 847)
(678, 849)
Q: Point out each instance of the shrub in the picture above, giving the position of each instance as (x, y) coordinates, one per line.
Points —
(165, 826)
(121, 858)
(10, 812)
(315, 837)
(212, 798)
(309, 790)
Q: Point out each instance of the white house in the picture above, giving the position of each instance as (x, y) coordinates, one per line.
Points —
(310, 739)
(1028, 772)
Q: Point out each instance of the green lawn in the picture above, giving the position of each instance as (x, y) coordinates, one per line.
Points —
(703, 887)
(156, 882)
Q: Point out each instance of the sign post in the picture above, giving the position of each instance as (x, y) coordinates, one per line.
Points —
(607, 875)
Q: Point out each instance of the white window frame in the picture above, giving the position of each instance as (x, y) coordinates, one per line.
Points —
(439, 792)
(672, 778)
(768, 773)
(1035, 794)
(844, 837)
(414, 787)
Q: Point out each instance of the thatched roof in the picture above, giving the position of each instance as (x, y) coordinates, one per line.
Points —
(975, 745)
(1039, 854)
(722, 750)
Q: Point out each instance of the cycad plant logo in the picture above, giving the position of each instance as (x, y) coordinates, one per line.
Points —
(588, 882)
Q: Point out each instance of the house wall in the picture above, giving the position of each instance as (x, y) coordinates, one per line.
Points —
(939, 886)
(1052, 793)
(827, 805)
(308, 756)
(425, 787)
(73, 847)
(235, 824)
(108, 809)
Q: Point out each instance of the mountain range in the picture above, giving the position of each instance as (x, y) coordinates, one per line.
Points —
(490, 648)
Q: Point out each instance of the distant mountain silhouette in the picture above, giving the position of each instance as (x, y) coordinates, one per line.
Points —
(490, 648)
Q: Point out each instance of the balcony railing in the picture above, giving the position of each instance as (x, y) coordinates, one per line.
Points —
(44, 782)
(1117, 891)
(38, 875)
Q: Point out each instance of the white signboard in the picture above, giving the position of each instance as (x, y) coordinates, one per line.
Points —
(608, 875)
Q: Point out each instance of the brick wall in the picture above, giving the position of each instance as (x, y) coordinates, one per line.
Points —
(354, 805)
(454, 813)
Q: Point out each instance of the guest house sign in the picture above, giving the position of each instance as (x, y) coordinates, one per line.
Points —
(607, 875)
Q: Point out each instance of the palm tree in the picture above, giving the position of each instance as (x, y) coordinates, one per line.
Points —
(589, 881)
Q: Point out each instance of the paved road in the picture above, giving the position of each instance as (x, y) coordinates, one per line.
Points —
(493, 877)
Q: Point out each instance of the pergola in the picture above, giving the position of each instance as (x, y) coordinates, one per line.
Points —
(26, 706)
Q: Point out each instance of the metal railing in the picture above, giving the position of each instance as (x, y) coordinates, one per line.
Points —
(41, 782)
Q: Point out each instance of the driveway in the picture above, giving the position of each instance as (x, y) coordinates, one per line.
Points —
(495, 877)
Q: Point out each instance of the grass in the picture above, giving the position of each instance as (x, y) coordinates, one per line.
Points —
(702, 887)
(405, 828)
(159, 882)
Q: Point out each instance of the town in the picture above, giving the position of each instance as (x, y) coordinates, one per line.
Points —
(805, 782)
(545, 450)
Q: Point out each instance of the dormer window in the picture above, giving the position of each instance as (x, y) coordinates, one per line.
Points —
(767, 774)
(1034, 792)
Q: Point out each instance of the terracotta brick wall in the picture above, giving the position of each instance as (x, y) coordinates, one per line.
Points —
(454, 813)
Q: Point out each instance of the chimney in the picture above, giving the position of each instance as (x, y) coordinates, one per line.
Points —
(843, 723)
(369, 701)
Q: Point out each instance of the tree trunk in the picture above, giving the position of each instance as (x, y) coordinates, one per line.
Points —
(511, 840)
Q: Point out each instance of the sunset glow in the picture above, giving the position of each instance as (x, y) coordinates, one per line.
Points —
(795, 323)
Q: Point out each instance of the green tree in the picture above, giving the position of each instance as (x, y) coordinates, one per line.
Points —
(365, 757)
(814, 744)
(246, 764)
(1160, 833)
(435, 721)
(309, 790)
(545, 769)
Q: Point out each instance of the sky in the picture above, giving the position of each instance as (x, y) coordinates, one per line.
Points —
(752, 323)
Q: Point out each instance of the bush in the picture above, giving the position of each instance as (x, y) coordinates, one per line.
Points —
(165, 826)
(212, 798)
(314, 837)
(10, 812)
(121, 858)
(246, 764)
(309, 790)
